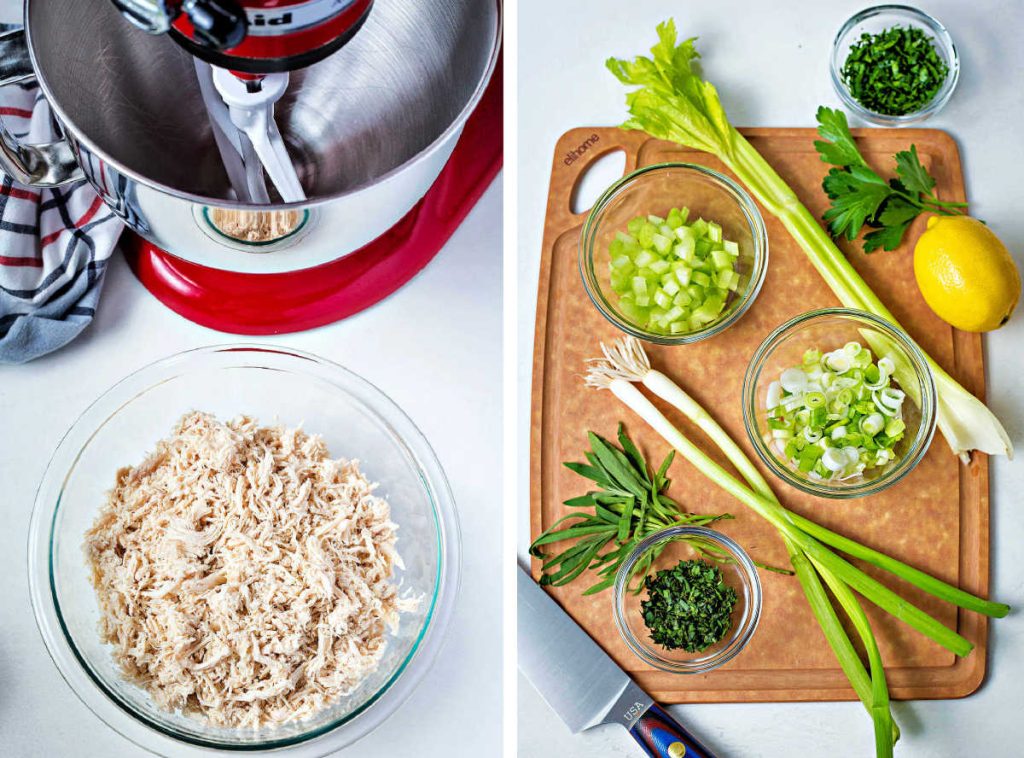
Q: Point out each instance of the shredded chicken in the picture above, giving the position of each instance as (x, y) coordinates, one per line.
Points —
(255, 226)
(243, 575)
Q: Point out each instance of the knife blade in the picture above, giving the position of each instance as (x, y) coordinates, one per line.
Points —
(583, 685)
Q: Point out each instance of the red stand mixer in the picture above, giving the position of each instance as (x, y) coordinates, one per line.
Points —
(390, 130)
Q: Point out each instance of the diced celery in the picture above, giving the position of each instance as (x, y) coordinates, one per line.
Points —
(622, 262)
(661, 243)
(686, 249)
(673, 314)
(672, 276)
(719, 293)
(721, 260)
(644, 258)
(646, 235)
(724, 278)
(705, 314)
(621, 282)
(633, 312)
(685, 232)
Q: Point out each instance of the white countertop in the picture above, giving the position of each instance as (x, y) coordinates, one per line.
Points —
(769, 62)
(440, 333)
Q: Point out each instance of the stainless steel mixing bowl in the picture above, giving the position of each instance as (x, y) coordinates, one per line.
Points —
(369, 128)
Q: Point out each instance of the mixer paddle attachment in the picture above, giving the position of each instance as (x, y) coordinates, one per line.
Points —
(250, 106)
(243, 166)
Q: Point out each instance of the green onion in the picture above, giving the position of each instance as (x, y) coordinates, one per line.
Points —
(850, 426)
(674, 103)
(807, 543)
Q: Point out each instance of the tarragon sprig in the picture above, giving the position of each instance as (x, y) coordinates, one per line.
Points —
(630, 504)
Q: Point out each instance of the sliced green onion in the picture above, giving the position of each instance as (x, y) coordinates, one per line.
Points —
(841, 410)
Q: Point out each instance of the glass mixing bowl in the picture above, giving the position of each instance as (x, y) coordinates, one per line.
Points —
(656, 190)
(274, 385)
(877, 19)
(666, 548)
(828, 329)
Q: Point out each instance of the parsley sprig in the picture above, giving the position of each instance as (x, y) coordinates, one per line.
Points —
(860, 197)
(630, 504)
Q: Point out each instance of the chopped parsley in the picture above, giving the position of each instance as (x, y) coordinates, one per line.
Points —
(895, 72)
(688, 607)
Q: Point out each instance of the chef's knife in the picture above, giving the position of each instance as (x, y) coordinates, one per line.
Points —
(583, 685)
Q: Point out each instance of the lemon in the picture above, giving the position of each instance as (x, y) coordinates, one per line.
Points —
(966, 273)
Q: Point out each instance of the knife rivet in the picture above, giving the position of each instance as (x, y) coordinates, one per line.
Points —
(676, 750)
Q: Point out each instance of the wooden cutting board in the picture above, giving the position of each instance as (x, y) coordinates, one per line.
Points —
(936, 519)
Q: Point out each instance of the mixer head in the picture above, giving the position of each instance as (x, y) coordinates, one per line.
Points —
(252, 45)
(252, 37)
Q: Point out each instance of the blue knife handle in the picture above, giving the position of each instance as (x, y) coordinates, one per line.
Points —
(661, 737)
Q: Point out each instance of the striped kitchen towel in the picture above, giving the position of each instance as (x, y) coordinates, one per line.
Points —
(54, 246)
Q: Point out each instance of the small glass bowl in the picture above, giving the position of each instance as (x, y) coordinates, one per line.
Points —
(656, 190)
(825, 330)
(667, 548)
(275, 385)
(877, 19)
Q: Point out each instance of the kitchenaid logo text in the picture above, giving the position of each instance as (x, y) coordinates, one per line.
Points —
(261, 19)
(577, 152)
(294, 17)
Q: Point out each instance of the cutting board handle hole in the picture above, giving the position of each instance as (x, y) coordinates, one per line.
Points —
(595, 179)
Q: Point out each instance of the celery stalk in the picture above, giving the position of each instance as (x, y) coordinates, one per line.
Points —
(674, 103)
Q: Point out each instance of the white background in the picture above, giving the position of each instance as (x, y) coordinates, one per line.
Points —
(434, 347)
(769, 61)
